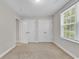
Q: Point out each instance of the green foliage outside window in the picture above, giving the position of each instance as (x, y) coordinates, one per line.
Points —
(69, 24)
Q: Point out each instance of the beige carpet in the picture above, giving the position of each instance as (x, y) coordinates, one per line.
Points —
(36, 51)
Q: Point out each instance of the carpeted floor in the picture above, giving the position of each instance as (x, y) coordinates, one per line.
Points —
(36, 51)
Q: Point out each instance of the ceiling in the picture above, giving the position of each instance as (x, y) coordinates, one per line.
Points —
(36, 8)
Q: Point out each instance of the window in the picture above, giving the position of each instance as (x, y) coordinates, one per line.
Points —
(69, 20)
(70, 23)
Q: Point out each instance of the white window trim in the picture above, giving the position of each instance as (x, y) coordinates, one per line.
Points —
(61, 23)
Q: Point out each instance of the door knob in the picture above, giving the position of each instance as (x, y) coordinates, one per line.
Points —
(27, 32)
(45, 32)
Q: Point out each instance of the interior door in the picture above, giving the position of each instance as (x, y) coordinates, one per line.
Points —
(31, 31)
(44, 31)
(36, 31)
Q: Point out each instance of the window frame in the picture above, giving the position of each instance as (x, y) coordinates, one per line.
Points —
(62, 24)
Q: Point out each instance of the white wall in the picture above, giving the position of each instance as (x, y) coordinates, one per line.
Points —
(17, 30)
(7, 28)
(71, 47)
(26, 20)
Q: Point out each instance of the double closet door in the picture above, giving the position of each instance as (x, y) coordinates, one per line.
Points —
(38, 30)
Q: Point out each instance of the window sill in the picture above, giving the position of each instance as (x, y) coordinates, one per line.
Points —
(74, 41)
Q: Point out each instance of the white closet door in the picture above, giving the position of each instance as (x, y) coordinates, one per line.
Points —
(44, 31)
(31, 30)
(36, 31)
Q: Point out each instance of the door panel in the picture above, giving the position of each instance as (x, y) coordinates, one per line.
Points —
(36, 31)
(44, 32)
(30, 31)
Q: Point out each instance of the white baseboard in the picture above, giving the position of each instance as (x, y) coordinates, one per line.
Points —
(7, 51)
(76, 58)
(22, 42)
(69, 53)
